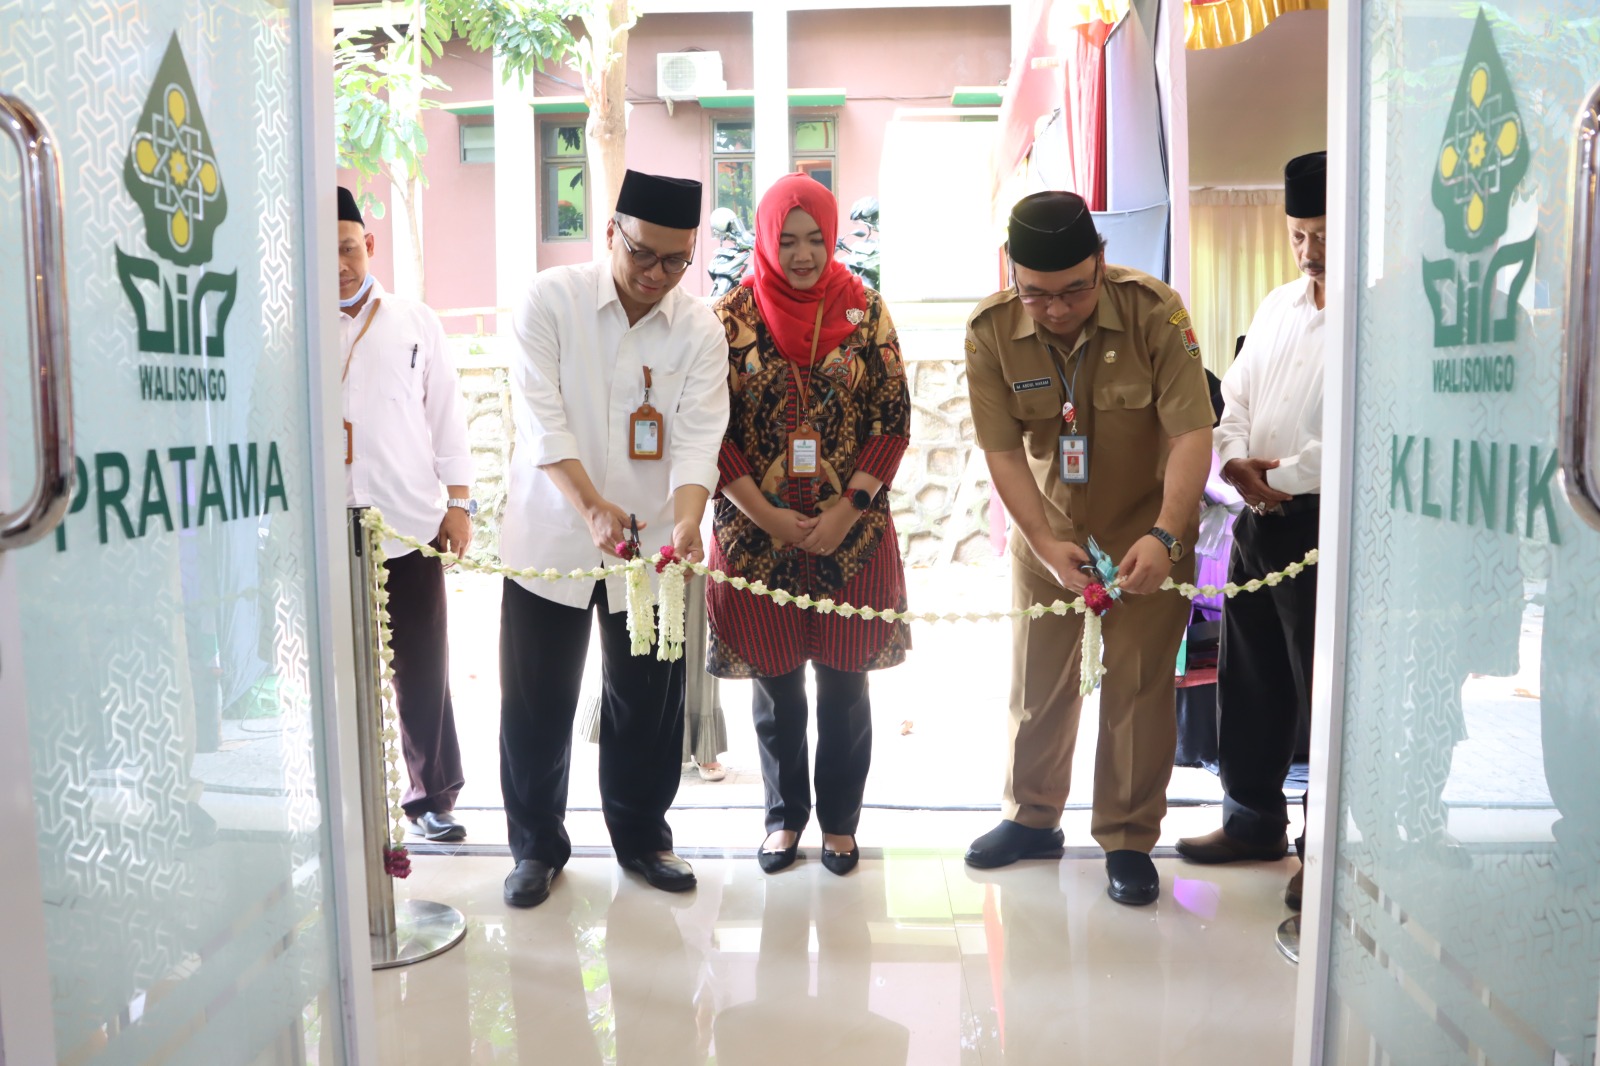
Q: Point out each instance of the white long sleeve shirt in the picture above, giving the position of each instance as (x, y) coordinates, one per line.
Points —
(1273, 391)
(574, 383)
(402, 399)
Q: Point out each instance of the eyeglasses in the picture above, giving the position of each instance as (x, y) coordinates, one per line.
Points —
(1067, 296)
(644, 258)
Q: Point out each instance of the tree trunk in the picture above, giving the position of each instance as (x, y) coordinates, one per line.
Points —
(604, 89)
(408, 194)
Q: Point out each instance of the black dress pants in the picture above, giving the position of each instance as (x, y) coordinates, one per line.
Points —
(1264, 669)
(420, 638)
(543, 645)
(844, 748)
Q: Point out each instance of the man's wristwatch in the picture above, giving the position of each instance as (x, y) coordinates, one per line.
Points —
(860, 499)
(469, 506)
(1173, 545)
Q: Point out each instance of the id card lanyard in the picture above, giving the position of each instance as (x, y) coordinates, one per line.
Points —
(805, 444)
(1074, 466)
(349, 430)
(644, 428)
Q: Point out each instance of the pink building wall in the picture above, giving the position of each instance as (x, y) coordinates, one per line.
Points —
(458, 234)
(885, 59)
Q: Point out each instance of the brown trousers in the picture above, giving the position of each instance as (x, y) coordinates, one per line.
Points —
(1138, 720)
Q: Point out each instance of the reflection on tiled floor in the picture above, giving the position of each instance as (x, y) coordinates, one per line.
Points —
(912, 960)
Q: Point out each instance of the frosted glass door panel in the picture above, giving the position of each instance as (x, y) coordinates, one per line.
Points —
(169, 627)
(1467, 862)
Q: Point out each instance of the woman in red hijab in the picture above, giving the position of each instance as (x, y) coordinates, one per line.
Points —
(820, 418)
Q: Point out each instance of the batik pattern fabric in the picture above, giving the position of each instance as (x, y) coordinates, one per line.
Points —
(859, 405)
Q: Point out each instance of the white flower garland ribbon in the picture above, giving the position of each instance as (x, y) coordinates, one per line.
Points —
(377, 584)
(674, 583)
(1091, 668)
(642, 616)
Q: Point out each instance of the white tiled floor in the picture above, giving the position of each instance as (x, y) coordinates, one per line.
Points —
(913, 959)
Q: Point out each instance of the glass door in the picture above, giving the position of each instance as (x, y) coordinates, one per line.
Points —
(164, 684)
(1458, 890)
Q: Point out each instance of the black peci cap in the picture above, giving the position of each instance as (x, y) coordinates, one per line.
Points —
(1305, 186)
(348, 211)
(670, 202)
(1051, 230)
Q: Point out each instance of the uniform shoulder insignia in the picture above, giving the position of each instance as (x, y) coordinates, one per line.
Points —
(1191, 343)
(972, 349)
(1179, 318)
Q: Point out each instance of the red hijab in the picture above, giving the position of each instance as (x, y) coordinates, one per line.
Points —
(790, 313)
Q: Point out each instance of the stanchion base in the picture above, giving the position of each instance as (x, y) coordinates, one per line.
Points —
(1289, 939)
(423, 929)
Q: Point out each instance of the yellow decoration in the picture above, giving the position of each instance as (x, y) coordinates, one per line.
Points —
(177, 106)
(1477, 149)
(1448, 161)
(208, 178)
(180, 229)
(1507, 141)
(1480, 86)
(1227, 22)
(1475, 213)
(144, 154)
(178, 165)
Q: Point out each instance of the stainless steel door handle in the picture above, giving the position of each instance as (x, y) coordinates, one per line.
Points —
(1578, 408)
(45, 267)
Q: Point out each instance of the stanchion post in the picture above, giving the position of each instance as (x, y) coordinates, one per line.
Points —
(369, 735)
(416, 929)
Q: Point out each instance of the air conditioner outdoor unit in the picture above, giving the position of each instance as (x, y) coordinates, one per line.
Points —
(687, 75)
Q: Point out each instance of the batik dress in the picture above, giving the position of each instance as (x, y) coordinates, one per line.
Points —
(859, 405)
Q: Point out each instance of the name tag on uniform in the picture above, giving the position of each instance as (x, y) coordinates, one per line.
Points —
(1074, 459)
(805, 453)
(644, 433)
(1031, 384)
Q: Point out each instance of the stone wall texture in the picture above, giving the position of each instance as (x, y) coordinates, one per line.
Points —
(940, 497)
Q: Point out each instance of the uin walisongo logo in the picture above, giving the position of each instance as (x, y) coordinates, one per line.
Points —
(1481, 160)
(171, 172)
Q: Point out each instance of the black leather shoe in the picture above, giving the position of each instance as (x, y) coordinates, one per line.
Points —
(662, 870)
(1010, 841)
(773, 861)
(1133, 879)
(439, 826)
(841, 862)
(529, 884)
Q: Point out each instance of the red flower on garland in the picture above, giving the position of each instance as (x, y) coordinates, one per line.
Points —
(627, 549)
(1097, 599)
(396, 862)
(667, 556)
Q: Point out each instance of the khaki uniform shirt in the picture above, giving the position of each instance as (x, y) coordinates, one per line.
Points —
(1139, 382)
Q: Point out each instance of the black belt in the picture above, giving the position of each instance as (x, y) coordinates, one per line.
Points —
(1309, 503)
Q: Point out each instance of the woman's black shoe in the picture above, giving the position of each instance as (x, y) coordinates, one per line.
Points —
(841, 862)
(773, 861)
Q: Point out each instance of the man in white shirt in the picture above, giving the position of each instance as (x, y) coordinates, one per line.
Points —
(620, 398)
(1270, 444)
(405, 436)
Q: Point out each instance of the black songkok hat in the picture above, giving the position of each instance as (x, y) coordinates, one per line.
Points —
(348, 211)
(670, 202)
(1051, 230)
(1305, 186)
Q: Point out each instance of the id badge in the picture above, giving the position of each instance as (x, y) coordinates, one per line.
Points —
(1074, 459)
(805, 453)
(349, 444)
(644, 433)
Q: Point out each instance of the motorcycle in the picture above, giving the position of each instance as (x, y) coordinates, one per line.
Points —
(861, 258)
(730, 261)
